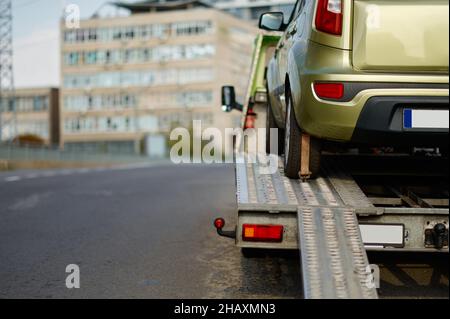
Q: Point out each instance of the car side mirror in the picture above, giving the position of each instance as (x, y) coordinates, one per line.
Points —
(229, 99)
(272, 21)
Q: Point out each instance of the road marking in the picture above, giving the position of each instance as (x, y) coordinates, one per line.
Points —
(66, 172)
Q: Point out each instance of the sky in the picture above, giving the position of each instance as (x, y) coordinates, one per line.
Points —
(36, 39)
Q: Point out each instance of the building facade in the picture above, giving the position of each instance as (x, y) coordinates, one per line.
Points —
(127, 78)
(36, 113)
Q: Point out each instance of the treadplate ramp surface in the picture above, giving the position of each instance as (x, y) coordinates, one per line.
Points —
(257, 190)
(334, 261)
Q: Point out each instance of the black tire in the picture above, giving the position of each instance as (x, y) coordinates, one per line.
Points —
(292, 146)
(271, 123)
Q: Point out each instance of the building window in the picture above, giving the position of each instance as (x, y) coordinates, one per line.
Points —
(72, 58)
(143, 32)
(139, 78)
(191, 28)
(11, 104)
(92, 35)
(141, 55)
(80, 35)
(181, 100)
(26, 104)
(77, 103)
(91, 57)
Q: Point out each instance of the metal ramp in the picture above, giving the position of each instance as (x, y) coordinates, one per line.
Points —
(334, 261)
(333, 258)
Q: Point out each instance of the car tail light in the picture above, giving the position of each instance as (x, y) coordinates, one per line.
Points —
(329, 16)
(329, 90)
(267, 233)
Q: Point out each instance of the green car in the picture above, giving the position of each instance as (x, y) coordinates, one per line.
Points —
(359, 72)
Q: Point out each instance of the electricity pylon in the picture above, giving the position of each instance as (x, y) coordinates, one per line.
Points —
(7, 100)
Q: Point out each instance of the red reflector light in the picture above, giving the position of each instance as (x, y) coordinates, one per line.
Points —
(219, 223)
(329, 90)
(267, 233)
(329, 16)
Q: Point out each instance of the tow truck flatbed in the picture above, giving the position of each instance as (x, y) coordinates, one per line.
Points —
(262, 198)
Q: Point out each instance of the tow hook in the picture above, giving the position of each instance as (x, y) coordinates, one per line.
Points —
(437, 236)
(219, 224)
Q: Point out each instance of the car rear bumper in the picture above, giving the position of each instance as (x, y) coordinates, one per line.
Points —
(372, 116)
(381, 122)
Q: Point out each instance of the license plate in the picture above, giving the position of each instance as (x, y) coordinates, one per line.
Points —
(383, 234)
(425, 119)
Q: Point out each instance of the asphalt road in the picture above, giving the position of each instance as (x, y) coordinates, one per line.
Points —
(145, 232)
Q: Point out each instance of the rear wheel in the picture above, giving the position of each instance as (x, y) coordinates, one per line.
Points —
(292, 146)
(271, 124)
